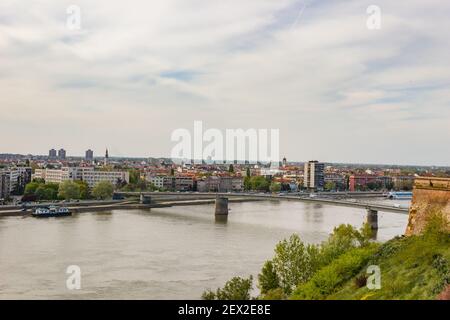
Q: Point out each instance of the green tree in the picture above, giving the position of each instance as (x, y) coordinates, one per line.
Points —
(235, 289)
(47, 191)
(38, 180)
(103, 190)
(231, 169)
(84, 189)
(343, 238)
(135, 176)
(275, 187)
(330, 185)
(69, 190)
(43, 193)
(248, 174)
(260, 183)
(268, 278)
(31, 187)
(247, 183)
(295, 262)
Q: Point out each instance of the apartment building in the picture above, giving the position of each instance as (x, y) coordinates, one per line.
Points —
(172, 183)
(52, 154)
(157, 181)
(220, 184)
(338, 179)
(314, 175)
(5, 185)
(89, 156)
(367, 181)
(87, 174)
(61, 154)
(208, 184)
(231, 184)
(16, 179)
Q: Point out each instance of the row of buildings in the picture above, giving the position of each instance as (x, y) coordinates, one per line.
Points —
(14, 180)
(53, 154)
(204, 184)
(315, 178)
(88, 174)
(358, 182)
(61, 154)
(217, 177)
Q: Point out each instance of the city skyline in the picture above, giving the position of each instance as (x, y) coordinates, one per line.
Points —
(101, 156)
(337, 91)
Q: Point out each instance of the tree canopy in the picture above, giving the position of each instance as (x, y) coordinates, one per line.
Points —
(69, 190)
(103, 190)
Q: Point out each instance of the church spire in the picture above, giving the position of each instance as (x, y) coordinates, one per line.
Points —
(106, 157)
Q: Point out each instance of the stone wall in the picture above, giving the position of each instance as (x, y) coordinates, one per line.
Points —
(429, 195)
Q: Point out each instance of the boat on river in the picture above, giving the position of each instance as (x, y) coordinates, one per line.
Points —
(51, 211)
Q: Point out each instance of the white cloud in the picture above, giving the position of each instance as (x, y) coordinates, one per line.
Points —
(139, 69)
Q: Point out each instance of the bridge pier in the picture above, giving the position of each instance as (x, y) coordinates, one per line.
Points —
(145, 199)
(372, 218)
(221, 206)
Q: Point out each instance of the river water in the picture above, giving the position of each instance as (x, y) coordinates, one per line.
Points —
(170, 253)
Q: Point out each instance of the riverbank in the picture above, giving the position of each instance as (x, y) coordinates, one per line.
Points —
(107, 205)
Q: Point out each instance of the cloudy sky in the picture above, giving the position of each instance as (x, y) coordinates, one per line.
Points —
(137, 70)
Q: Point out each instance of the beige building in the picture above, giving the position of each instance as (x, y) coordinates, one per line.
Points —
(87, 174)
(314, 175)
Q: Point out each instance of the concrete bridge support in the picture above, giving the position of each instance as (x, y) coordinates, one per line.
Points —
(372, 218)
(221, 206)
(145, 199)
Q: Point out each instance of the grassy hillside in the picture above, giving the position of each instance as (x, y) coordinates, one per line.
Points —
(411, 268)
(415, 267)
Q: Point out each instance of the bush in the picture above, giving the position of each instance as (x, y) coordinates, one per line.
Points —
(343, 238)
(442, 267)
(388, 249)
(268, 278)
(235, 289)
(274, 294)
(437, 228)
(329, 278)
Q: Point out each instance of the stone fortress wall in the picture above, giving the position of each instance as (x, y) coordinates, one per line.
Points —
(429, 195)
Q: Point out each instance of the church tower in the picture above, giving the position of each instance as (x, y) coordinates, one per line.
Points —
(106, 157)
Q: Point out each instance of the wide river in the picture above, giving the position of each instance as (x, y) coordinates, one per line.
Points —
(171, 253)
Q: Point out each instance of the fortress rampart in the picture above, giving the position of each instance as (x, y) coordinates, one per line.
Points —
(430, 195)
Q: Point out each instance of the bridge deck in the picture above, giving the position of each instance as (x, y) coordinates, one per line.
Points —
(181, 196)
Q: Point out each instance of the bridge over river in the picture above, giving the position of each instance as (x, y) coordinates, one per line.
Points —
(221, 201)
(143, 200)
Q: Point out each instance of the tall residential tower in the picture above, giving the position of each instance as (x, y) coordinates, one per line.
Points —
(314, 175)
